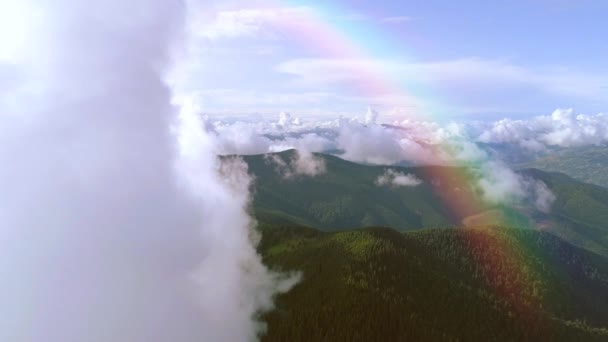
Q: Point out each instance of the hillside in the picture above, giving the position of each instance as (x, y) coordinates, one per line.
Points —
(587, 164)
(346, 196)
(580, 213)
(484, 284)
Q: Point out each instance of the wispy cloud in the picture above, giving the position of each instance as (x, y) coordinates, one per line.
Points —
(397, 19)
(472, 73)
(253, 22)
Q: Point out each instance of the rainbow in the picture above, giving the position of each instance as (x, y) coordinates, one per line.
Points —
(354, 41)
(328, 36)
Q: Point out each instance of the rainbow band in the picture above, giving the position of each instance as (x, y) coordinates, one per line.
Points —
(352, 41)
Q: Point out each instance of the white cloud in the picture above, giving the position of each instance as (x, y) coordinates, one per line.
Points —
(465, 73)
(370, 116)
(232, 283)
(114, 227)
(397, 19)
(397, 179)
(562, 128)
(252, 22)
(302, 163)
(501, 185)
(363, 139)
(543, 197)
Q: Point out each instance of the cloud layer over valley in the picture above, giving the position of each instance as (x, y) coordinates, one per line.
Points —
(485, 147)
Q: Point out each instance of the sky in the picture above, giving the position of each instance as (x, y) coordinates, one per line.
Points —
(119, 223)
(438, 59)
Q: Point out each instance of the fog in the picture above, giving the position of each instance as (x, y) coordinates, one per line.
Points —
(117, 221)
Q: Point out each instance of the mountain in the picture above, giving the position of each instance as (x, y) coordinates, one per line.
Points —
(587, 164)
(580, 211)
(343, 197)
(347, 196)
(464, 284)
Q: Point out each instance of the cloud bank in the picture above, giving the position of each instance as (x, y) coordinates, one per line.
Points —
(365, 139)
(562, 128)
(114, 226)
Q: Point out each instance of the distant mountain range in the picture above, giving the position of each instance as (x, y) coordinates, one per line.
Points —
(346, 196)
(588, 164)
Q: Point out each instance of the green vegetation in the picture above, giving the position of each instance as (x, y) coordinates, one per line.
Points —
(587, 164)
(445, 284)
(346, 197)
(580, 212)
(465, 284)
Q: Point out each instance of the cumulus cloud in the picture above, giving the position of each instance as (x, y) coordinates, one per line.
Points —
(360, 139)
(247, 138)
(365, 139)
(114, 226)
(302, 163)
(397, 179)
(232, 283)
(370, 116)
(501, 185)
(562, 128)
(284, 119)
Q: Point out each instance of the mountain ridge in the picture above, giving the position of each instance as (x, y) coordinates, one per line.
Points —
(346, 196)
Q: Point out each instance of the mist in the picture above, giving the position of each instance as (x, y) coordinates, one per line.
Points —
(117, 221)
(301, 164)
(397, 179)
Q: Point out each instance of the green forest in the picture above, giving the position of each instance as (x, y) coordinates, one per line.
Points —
(346, 197)
(463, 284)
(432, 276)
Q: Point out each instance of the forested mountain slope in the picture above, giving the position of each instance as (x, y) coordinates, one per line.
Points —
(463, 284)
(346, 195)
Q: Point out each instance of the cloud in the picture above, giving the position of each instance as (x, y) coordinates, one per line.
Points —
(368, 138)
(375, 144)
(543, 197)
(285, 120)
(370, 116)
(115, 227)
(501, 185)
(251, 22)
(397, 19)
(302, 163)
(233, 284)
(397, 179)
(562, 128)
(365, 139)
(472, 74)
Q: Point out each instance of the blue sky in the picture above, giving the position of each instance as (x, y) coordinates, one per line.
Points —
(448, 59)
